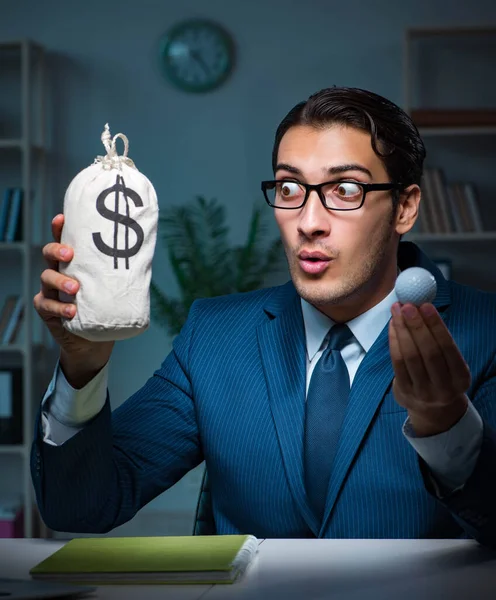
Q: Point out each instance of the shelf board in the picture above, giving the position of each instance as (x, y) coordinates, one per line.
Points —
(10, 143)
(454, 121)
(13, 449)
(9, 348)
(472, 236)
(19, 247)
(20, 348)
(454, 31)
(9, 246)
(20, 43)
(459, 130)
(18, 144)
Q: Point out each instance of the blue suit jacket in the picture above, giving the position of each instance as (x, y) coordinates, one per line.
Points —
(232, 393)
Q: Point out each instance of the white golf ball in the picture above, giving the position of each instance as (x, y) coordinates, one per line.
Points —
(415, 285)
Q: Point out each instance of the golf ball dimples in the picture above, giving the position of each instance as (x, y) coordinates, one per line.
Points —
(415, 285)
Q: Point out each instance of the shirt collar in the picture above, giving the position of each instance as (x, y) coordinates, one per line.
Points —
(366, 327)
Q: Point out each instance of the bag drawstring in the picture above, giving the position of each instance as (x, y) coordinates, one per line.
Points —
(112, 160)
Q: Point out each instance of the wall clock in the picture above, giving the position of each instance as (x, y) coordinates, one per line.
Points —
(197, 55)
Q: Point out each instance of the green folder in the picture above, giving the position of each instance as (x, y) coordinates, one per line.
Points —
(204, 559)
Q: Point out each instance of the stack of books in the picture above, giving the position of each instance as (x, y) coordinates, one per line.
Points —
(447, 207)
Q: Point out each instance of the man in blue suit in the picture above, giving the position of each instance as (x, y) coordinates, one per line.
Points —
(322, 407)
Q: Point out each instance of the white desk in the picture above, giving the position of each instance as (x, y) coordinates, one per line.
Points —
(367, 570)
(18, 556)
(317, 570)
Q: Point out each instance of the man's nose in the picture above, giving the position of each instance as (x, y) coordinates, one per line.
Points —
(314, 218)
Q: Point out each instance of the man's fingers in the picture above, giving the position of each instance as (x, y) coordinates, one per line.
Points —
(458, 370)
(57, 225)
(427, 345)
(49, 307)
(53, 253)
(49, 252)
(52, 282)
(400, 370)
(46, 301)
(410, 352)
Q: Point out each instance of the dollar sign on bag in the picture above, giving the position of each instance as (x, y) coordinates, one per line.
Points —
(119, 219)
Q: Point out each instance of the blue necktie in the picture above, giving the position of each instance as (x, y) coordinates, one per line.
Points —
(326, 404)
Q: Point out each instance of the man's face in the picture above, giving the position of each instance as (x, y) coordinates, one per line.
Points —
(360, 243)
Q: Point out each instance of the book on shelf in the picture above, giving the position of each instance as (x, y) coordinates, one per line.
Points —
(205, 559)
(13, 231)
(470, 193)
(11, 405)
(11, 318)
(430, 117)
(424, 218)
(448, 207)
(442, 201)
(465, 203)
(461, 206)
(4, 212)
(6, 313)
(431, 211)
(455, 209)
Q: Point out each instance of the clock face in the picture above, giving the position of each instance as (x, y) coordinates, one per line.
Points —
(197, 55)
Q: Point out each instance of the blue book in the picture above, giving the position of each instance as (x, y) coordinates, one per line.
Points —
(4, 213)
(14, 225)
(13, 322)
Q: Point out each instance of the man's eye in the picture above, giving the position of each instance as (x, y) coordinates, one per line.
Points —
(347, 190)
(289, 188)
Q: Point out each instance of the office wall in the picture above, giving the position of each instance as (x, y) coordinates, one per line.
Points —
(103, 59)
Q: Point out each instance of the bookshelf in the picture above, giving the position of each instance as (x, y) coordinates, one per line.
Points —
(23, 152)
(459, 130)
(443, 123)
(468, 236)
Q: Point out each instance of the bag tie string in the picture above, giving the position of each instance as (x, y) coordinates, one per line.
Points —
(112, 160)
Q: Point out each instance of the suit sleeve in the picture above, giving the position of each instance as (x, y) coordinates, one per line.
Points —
(119, 461)
(474, 505)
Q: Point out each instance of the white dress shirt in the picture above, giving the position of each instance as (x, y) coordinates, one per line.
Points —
(451, 456)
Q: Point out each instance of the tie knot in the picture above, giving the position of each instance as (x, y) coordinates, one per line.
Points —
(339, 335)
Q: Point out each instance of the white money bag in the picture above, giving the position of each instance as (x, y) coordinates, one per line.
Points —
(110, 219)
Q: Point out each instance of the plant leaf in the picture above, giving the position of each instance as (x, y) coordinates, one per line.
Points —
(203, 262)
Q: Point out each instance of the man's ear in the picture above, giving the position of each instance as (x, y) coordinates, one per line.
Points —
(408, 209)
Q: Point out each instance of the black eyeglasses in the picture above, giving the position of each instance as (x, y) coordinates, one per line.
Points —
(334, 195)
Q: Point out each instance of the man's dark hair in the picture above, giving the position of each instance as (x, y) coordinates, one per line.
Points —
(394, 136)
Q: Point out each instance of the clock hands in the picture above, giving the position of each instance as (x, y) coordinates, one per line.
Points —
(199, 59)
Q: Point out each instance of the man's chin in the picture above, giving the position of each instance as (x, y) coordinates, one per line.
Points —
(317, 291)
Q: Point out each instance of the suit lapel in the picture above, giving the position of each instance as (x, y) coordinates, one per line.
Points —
(282, 348)
(372, 380)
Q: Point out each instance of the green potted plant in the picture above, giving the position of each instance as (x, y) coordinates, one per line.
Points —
(204, 262)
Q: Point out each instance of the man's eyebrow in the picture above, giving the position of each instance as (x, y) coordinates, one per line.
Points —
(350, 167)
(337, 170)
(286, 167)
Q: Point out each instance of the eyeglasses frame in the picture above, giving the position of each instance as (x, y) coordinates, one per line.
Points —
(367, 187)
